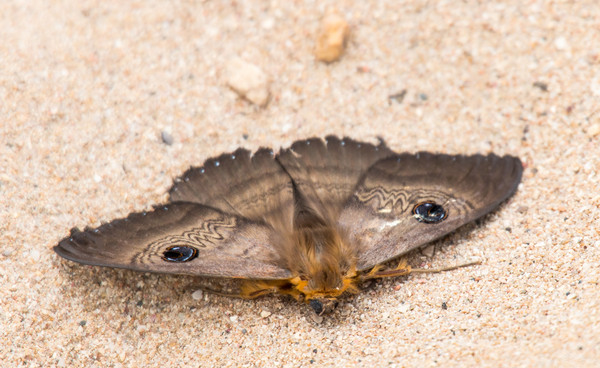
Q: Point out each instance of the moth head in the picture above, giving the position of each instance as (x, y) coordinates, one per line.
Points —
(323, 306)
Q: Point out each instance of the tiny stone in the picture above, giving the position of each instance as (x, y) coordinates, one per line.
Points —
(248, 81)
(332, 38)
(233, 318)
(265, 314)
(561, 43)
(197, 295)
(398, 97)
(594, 130)
(82, 323)
(268, 23)
(541, 85)
(316, 318)
(167, 138)
(428, 251)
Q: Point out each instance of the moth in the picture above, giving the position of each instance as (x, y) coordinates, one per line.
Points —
(312, 221)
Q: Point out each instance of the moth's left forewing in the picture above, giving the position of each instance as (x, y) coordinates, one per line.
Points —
(179, 238)
(380, 217)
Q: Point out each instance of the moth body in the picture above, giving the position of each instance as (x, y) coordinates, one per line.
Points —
(324, 261)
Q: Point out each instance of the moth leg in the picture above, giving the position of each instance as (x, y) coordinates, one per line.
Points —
(258, 293)
(401, 270)
(442, 269)
(256, 288)
(404, 269)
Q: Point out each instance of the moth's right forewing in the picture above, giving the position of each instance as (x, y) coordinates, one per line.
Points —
(380, 215)
(226, 245)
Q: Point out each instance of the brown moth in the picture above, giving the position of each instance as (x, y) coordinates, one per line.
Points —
(312, 221)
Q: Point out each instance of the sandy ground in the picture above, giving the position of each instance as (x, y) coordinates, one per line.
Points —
(87, 88)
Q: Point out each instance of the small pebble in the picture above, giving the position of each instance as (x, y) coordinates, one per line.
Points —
(398, 97)
(265, 314)
(541, 85)
(561, 43)
(522, 209)
(332, 38)
(316, 318)
(428, 251)
(167, 138)
(197, 295)
(594, 130)
(248, 81)
(233, 318)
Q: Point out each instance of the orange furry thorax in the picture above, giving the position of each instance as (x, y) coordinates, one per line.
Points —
(322, 260)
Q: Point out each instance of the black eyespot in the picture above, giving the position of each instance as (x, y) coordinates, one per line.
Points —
(429, 212)
(179, 254)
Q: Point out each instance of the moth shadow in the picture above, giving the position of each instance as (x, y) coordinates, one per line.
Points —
(137, 293)
(103, 287)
